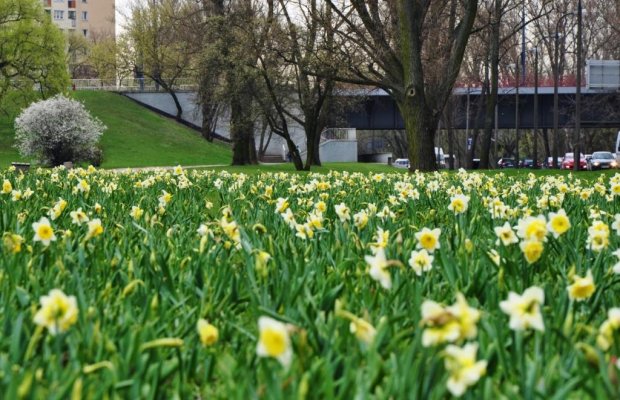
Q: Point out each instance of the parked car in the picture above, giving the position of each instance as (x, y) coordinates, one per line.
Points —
(528, 163)
(401, 163)
(602, 160)
(549, 162)
(569, 161)
(505, 162)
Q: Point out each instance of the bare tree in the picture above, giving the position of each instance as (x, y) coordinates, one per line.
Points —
(159, 47)
(413, 50)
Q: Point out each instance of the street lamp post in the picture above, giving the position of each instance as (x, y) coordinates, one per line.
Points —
(577, 131)
(517, 115)
(556, 72)
(535, 142)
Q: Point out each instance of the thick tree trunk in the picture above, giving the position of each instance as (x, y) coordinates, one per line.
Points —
(295, 156)
(491, 97)
(420, 125)
(209, 118)
(242, 131)
(313, 140)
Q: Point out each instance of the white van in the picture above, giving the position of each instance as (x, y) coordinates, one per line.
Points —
(617, 149)
(440, 157)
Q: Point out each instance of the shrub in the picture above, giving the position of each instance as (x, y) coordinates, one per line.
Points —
(57, 130)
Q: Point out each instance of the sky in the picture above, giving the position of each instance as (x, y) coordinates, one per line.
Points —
(121, 9)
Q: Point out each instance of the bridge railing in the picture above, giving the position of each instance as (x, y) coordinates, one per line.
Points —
(339, 134)
(131, 84)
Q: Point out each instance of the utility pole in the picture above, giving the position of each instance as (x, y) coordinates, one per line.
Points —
(517, 114)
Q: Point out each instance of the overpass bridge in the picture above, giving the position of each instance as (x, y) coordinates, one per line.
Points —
(600, 109)
(377, 111)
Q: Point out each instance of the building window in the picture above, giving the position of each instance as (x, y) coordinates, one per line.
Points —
(83, 1)
(84, 15)
(59, 14)
(85, 32)
(71, 14)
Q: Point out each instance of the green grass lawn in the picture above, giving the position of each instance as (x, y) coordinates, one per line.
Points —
(8, 153)
(136, 137)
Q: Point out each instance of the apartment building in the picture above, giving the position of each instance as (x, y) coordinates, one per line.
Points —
(85, 17)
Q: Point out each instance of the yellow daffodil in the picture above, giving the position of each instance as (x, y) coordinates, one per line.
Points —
(274, 341)
(428, 239)
(421, 261)
(360, 219)
(379, 268)
(136, 212)
(598, 236)
(506, 234)
(281, 205)
(606, 332)
(208, 333)
(231, 229)
(524, 310)
(532, 250)
(289, 218)
(78, 217)
(165, 198)
(440, 324)
(12, 242)
(57, 313)
(464, 370)
(6, 187)
(95, 228)
(558, 223)
(582, 288)
(459, 203)
(43, 231)
(467, 317)
(363, 330)
(83, 186)
(343, 212)
(532, 228)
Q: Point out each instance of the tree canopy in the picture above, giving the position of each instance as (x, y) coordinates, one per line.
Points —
(32, 52)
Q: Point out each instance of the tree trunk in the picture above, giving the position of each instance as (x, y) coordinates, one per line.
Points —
(295, 156)
(170, 90)
(448, 123)
(242, 130)
(545, 133)
(209, 119)
(491, 97)
(420, 125)
(313, 140)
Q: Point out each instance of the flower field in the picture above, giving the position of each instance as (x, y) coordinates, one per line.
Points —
(201, 284)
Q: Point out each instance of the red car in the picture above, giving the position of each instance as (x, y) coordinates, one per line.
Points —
(569, 162)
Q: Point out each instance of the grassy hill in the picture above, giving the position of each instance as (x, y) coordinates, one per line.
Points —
(135, 137)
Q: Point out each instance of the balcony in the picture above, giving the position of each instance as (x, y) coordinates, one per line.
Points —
(71, 3)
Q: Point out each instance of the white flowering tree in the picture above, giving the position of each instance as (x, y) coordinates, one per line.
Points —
(57, 130)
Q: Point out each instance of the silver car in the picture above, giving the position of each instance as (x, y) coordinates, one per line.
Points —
(602, 160)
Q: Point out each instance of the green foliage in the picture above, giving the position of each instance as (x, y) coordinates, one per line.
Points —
(31, 52)
(142, 285)
(136, 137)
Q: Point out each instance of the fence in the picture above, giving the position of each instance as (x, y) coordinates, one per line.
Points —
(131, 84)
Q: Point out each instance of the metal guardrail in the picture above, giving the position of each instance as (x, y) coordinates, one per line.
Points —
(131, 84)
